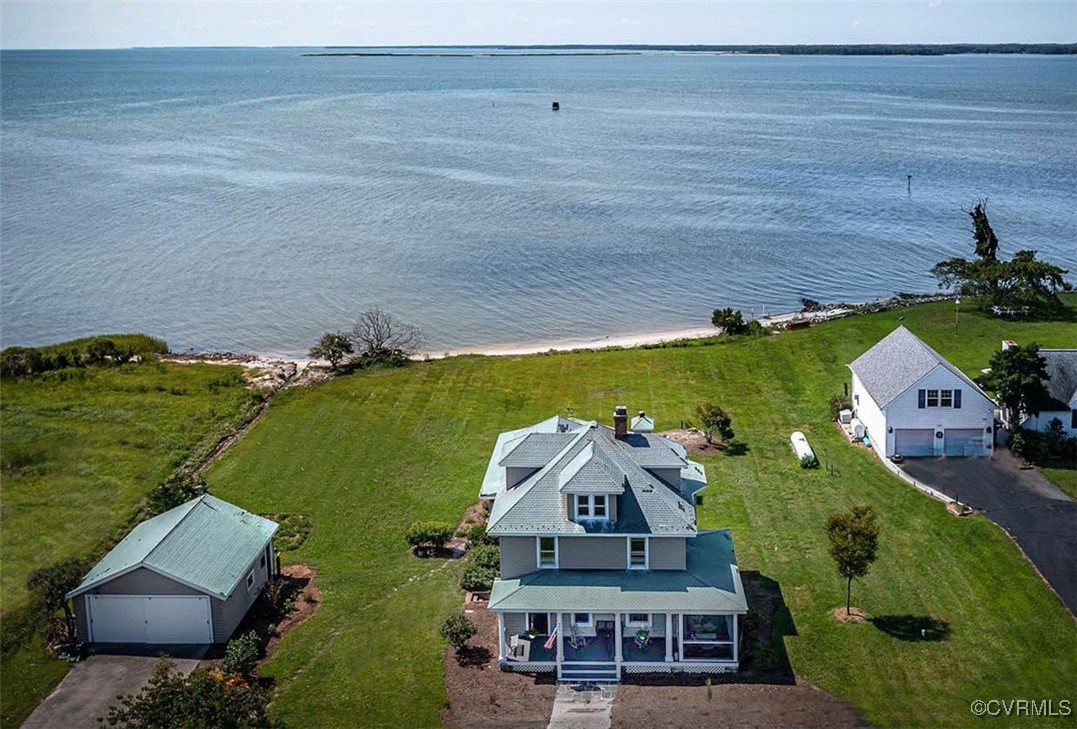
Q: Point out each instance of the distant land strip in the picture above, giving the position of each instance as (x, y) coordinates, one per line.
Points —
(382, 54)
(915, 49)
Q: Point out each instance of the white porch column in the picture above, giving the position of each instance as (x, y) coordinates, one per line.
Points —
(617, 636)
(560, 638)
(680, 636)
(736, 643)
(669, 637)
(501, 636)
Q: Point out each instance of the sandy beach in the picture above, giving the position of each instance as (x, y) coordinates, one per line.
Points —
(638, 339)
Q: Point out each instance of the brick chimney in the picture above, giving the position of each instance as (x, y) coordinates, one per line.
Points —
(620, 422)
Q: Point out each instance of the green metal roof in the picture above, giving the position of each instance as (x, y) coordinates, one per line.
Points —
(711, 583)
(206, 543)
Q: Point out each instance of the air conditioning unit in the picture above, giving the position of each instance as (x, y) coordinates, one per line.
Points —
(845, 416)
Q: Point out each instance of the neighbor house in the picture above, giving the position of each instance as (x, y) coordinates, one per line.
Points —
(603, 568)
(912, 402)
(1061, 391)
(188, 575)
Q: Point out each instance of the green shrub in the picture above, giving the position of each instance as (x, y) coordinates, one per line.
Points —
(730, 321)
(178, 488)
(477, 536)
(202, 699)
(457, 629)
(482, 568)
(837, 404)
(241, 654)
(428, 534)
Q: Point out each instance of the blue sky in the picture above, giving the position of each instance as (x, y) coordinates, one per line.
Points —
(76, 24)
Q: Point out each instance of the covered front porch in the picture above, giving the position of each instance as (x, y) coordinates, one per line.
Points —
(642, 642)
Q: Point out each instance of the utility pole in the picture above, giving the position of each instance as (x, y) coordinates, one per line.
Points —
(957, 310)
(909, 180)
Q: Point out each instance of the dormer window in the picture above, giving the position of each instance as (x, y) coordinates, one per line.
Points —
(592, 506)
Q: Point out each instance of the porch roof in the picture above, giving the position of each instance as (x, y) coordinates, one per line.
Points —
(711, 583)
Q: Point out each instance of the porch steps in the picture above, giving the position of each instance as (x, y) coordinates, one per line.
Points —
(579, 672)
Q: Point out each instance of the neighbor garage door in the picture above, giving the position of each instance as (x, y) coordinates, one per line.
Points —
(159, 619)
(914, 441)
(965, 442)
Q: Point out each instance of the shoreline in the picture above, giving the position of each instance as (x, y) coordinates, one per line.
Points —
(626, 341)
(824, 312)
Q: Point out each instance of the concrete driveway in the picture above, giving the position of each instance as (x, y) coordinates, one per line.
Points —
(92, 685)
(1041, 518)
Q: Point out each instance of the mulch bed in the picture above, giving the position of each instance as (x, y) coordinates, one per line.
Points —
(855, 615)
(694, 441)
(481, 695)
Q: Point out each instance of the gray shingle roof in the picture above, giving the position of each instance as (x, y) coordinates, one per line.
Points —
(206, 543)
(1062, 368)
(647, 506)
(534, 450)
(710, 583)
(897, 362)
(590, 473)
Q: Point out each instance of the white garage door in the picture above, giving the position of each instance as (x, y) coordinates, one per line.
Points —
(914, 441)
(158, 619)
(965, 442)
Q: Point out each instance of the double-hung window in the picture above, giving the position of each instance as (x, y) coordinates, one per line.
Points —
(547, 552)
(932, 398)
(946, 398)
(638, 620)
(592, 506)
(637, 553)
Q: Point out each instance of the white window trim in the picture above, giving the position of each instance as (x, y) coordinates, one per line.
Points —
(646, 553)
(635, 623)
(589, 500)
(250, 580)
(590, 620)
(556, 553)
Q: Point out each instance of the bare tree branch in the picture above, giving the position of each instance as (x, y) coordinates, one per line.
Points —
(380, 334)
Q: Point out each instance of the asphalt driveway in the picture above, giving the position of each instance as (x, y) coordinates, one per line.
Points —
(1041, 518)
(92, 685)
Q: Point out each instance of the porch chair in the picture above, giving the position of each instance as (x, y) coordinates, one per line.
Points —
(519, 649)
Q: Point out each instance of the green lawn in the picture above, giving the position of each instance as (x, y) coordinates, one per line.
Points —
(80, 449)
(1063, 474)
(366, 454)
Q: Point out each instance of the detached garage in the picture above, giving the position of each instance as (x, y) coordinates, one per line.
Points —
(914, 403)
(187, 576)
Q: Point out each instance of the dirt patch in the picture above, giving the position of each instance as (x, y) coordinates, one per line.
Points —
(694, 441)
(854, 615)
(481, 695)
(762, 706)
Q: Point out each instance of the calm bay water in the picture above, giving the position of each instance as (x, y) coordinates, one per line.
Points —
(250, 199)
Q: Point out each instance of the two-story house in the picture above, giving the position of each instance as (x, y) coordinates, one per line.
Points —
(603, 568)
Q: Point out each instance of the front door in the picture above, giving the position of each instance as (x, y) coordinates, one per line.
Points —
(540, 623)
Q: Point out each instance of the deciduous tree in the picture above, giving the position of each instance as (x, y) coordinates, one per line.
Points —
(854, 540)
(716, 423)
(1017, 378)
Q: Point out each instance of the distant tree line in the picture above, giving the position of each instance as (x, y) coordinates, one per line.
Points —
(105, 350)
(858, 49)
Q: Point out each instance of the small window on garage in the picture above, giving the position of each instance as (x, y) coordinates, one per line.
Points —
(250, 580)
(262, 563)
